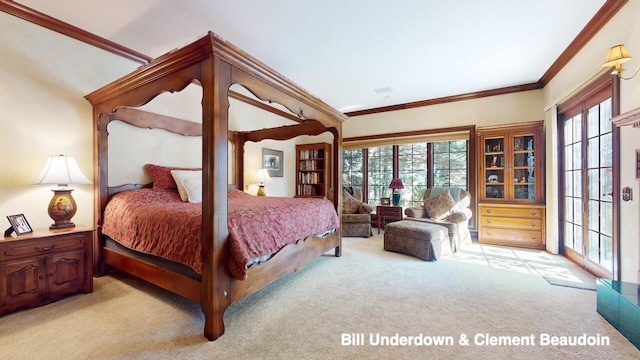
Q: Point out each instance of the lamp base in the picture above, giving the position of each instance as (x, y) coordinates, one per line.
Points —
(261, 191)
(65, 225)
(396, 199)
(61, 209)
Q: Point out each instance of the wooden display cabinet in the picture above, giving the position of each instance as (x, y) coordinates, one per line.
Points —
(313, 167)
(44, 266)
(511, 185)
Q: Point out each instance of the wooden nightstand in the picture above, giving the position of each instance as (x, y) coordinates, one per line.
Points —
(44, 266)
(388, 212)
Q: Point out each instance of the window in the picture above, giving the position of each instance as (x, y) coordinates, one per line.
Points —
(380, 173)
(419, 165)
(450, 164)
(413, 171)
(352, 170)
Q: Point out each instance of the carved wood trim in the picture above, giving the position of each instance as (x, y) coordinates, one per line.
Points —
(145, 119)
(261, 105)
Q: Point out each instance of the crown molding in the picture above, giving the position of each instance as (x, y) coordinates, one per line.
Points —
(606, 12)
(38, 18)
(599, 20)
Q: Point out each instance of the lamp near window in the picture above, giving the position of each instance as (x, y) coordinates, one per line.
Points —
(616, 56)
(61, 170)
(396, 185)
(262, 177)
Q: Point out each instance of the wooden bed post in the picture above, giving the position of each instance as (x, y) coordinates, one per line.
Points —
(215, 296)
(337, 181)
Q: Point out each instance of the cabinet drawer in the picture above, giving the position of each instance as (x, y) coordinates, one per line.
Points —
(513, 223)
(36, 247)
(489, 233)
(511, 211)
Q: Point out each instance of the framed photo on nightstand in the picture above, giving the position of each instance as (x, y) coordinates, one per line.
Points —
(19, 224)
(385, 201)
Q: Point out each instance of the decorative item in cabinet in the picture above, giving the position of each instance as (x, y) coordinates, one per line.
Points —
(313, 169)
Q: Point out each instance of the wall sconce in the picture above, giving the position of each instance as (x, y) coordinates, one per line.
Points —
(616, 56)
(262, 177)
(61, 170)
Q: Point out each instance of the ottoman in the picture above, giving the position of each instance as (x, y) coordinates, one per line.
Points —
(423, 240)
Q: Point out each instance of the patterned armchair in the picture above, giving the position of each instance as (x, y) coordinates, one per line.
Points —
(448, 207)
(356, 218)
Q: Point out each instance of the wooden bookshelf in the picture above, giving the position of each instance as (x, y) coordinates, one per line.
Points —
(313, 167)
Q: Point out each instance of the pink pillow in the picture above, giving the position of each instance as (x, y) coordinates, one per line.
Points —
(161, 176)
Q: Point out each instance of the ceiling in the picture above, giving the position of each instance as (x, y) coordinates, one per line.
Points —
(355, 54)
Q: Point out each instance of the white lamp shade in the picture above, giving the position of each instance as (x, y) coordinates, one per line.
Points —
(616, 55)
(61, 170)
(262, 176)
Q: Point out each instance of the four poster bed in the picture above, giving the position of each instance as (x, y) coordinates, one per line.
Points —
(211, 279)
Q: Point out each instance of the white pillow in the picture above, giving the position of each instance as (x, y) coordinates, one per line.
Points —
(193, 187)
(180, 175)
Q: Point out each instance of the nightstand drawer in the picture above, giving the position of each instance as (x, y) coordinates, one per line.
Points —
(34, 247)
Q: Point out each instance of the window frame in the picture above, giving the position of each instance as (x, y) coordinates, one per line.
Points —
(439, 134)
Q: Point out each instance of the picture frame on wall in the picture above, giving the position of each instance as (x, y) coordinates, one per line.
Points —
(19, 224)
(272, 160)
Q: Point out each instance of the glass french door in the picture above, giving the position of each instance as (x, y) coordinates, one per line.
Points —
(588, 185)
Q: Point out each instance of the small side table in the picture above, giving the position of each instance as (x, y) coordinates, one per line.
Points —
(388, 212)
(44, 266)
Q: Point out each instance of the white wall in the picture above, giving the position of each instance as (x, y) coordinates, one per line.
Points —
(584, 67)
(44, 77)
(540, 104)
(500, 109)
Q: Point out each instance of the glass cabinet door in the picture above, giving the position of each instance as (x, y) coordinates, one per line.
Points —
(510, 170)
(523, 155)
(494, 165)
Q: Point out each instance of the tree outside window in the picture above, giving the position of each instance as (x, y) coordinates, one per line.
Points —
(450, 164)
(352, 170)
(413, 171)
(380, 173)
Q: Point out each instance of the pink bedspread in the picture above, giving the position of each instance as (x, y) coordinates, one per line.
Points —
(159, 223)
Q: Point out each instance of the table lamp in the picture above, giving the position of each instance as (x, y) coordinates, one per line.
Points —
(396, 184)
(61, 170)
(262, 177)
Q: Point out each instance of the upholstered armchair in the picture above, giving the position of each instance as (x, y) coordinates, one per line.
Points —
(448, 207)
(356, 218)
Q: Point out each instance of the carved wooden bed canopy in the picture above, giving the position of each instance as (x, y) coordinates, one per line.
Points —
(215, 65)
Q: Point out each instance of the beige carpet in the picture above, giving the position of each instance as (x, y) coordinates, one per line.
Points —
(481, 290)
